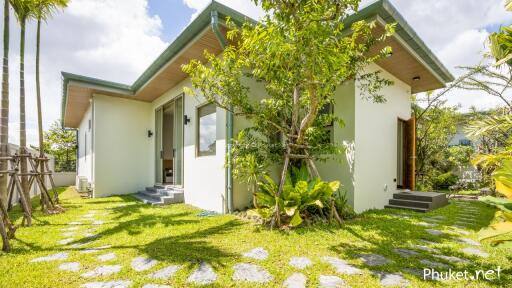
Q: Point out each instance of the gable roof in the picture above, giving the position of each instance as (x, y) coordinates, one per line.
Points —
(204, 34)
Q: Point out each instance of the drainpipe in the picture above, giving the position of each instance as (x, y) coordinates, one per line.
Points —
(229, 122)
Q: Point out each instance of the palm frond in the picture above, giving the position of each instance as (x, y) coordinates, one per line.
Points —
(488, 124)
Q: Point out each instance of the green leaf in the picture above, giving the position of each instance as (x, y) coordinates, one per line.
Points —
(290, 211)
(296, 219)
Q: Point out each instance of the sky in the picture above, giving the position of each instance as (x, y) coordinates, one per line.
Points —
(117, 40)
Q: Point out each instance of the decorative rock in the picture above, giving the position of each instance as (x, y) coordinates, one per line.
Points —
(54, 257)
(66, 241)
(331, 282)
(95, 250)
(71, 267)
(142, 264)
(251, 273)
(476, 252)
(300, 262)
(405, 252)
(452, 259)
(155, 286)
(203, 275)
(111, 284)
(425, 248)
(257, 253)
(165, 273)
(374, 259)
(433, 264)
(107, 257)
(342, 266)
(103, 271)
(434, 232)
(467, 241)
(392, 279)
(297, 280)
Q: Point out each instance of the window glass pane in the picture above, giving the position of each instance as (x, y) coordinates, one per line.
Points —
(207, 130)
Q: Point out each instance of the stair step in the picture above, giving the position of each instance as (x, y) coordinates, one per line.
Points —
(147, 200)
(160, 195)
(411, 203)
(407, 208)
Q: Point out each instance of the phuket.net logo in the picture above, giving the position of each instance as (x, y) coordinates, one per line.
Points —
(453, 275)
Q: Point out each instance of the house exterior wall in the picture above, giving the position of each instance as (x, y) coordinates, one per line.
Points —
(376, 143)
(121, 146)
(204, 179)
(85, 152)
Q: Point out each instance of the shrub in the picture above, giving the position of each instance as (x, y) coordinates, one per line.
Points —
(444, 181)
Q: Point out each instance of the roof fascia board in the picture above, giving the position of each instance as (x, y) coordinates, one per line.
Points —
(100, 87)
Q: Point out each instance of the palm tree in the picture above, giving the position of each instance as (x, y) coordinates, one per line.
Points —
(23, 10)
(43, 10)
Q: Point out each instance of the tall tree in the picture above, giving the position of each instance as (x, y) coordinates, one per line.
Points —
(302, 52)
(44, 9)
(23, 10)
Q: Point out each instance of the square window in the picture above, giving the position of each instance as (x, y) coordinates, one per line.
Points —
(207, 130)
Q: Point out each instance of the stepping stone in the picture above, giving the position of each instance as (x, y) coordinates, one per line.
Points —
(71, 267)
(95, 250)
(66, 241)
(74, 223)
(155, 286)
(300, 262)
(452, 259)
(203, 275)
(468, 241)
(111, 284)
(251, 273)
(328, 281)
(420, 273)
(428, 242)
(97, 223)
(434, 232)
(342, 266)
(107, 257)
(425, 248)
(257, 253)
(103, 271)
(54, 257)
(78, 245)
(90, 235)
(438, 217)
(142, 264)
(374, 259)
(297, 280)
(425, 224)
(68, 234)
(475, 252)
(70, 229)
(459, 226)
(392, 279)
(458, 231)
(401, 216)
(433, 264)
(405, 252)
(165, 273)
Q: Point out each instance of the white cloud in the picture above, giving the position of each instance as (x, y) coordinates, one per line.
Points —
(114, 40)
(245, 7)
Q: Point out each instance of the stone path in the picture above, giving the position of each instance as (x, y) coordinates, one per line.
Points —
(467, 241)
(300, 262)
(434, 232)
(107, 257)
(111, 284)
(405, 252)
(328, 281)
(71, 267)
(475, 252)
(251, 273)
(142, 264)
(374, 259)
(55, 257)
(342, 266)
(155, 286)
(392, 279)
(257, 253)
(297, 280)
(165, 273)
(102, 271)
(203, 275)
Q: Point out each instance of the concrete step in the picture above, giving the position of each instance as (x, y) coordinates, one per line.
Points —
(160, 195)
(411, 203)
(436, 200)
(147, 200)
(407, 208)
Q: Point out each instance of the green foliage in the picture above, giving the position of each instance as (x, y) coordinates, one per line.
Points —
(341, 203)
(62, 145)
(444, 181)
(299, 194)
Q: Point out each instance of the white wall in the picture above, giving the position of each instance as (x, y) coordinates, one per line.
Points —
(85, 153)
(62, 179)
(376, 143)
(122, 148)
(204, 177)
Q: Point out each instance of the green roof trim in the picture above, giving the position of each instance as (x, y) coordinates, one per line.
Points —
(387, 12)
(381, 8)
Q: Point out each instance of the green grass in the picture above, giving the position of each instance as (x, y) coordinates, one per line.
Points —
(469, 192)
(176, 235)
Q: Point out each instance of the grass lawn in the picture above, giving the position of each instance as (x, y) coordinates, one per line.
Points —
(177, 235)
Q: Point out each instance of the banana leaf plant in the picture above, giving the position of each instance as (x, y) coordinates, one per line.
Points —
(299, 194)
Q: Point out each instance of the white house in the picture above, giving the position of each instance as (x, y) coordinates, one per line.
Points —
(135, 136)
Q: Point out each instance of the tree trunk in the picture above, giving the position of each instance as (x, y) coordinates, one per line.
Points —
(4, 114)
(23, 132)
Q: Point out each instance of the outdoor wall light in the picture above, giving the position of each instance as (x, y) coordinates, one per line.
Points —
(186, 119)
(416, 78)
(150, 133)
